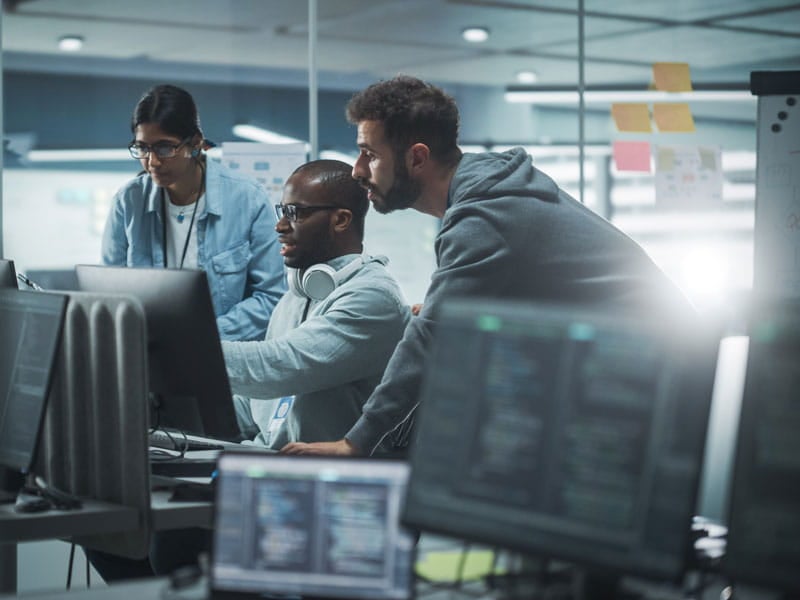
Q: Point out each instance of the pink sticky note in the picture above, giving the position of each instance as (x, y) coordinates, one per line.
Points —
(632, 156)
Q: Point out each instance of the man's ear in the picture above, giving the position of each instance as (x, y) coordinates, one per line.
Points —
(342, 217)
(417, 157)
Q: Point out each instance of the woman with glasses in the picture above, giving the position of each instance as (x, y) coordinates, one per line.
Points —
(183, 211)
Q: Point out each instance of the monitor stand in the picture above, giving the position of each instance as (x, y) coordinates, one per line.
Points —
(11, 483)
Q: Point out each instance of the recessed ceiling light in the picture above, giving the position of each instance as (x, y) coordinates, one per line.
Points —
(527, 76)
(475, 34)
(70, 43)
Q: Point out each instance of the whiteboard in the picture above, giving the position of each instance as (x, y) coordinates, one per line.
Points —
(777, 218)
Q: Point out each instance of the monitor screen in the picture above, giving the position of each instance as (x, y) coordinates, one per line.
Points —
(564, 434)
(764, 520)
(30, 333)
(310, 527)
(8, 276)
(189, 387)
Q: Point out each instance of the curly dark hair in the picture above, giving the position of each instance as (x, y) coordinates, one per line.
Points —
(411, 112)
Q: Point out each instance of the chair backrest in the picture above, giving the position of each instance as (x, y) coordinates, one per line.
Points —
(94, 442)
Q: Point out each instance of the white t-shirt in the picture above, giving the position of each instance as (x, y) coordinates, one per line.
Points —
(179, 218)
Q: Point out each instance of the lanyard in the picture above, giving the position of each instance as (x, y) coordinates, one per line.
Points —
(164, 228)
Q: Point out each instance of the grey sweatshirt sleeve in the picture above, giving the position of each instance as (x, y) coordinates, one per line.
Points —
(326, 350)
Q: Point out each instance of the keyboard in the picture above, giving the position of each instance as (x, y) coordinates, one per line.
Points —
(175, 440)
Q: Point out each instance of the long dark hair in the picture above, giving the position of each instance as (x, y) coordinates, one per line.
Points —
(171, 108)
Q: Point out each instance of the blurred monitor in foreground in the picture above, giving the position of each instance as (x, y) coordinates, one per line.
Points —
(564, 434)
(763, 546)
(310, 527)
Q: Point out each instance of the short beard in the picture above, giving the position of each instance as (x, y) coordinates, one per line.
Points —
(403, 193)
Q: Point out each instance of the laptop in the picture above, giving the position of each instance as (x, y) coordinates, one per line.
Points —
(310, 527)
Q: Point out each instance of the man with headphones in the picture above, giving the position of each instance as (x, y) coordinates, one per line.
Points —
(331, 335)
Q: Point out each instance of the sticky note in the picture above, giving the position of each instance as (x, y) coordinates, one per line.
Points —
(675, 117)
(708, 158)
(444, 566)
(631, 117)
(665, 159)
(632, 156)
(672, 77)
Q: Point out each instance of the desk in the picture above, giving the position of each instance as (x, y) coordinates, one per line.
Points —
(94, 518)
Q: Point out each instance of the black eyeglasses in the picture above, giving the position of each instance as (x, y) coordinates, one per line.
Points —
(160, 149)
(293, 211)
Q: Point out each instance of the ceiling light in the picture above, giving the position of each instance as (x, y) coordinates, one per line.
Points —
(70, 43)
(475, 34)
(527, 76)
(82, 155)
(552, 95)
(259, 134)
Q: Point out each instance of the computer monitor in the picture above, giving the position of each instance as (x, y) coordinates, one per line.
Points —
(30, 333)
(8, 276)
(310, 527)
(54, 279)
(763, 546)
(189, 386)
(563, 433)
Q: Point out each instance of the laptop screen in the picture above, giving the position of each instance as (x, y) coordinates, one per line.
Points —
(310, 526)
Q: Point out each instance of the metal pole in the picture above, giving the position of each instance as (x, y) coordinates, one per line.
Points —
(581, 104)
(313, 116)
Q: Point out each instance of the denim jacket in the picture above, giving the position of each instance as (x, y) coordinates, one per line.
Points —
(236, 245)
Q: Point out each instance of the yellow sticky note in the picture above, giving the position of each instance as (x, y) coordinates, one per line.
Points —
(444, 566)
(675, 117)
(672, 77)
(631, 117)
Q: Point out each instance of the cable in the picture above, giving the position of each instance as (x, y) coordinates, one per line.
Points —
(88, 570)
(459, 578)
(69, 567)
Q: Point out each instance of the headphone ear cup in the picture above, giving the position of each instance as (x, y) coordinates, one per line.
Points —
(319, 281)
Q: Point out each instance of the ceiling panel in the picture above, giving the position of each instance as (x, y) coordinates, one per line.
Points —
(382, 37)
(787, 22)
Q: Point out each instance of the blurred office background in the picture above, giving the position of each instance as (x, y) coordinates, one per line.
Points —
(74, 69)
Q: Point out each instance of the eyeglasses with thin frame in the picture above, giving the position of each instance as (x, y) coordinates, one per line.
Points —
(295, 211)
(162, 150)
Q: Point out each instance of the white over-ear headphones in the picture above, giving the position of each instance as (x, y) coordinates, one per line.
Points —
(317, 281)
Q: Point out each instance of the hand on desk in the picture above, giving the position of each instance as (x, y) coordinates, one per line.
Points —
(340, 448)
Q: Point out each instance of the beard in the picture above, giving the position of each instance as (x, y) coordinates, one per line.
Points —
(403, 193)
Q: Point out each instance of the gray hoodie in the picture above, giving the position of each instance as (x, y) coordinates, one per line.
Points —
(511, 233)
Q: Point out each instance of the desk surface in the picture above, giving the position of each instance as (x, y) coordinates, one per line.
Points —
(97, 517)
(94, 517)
